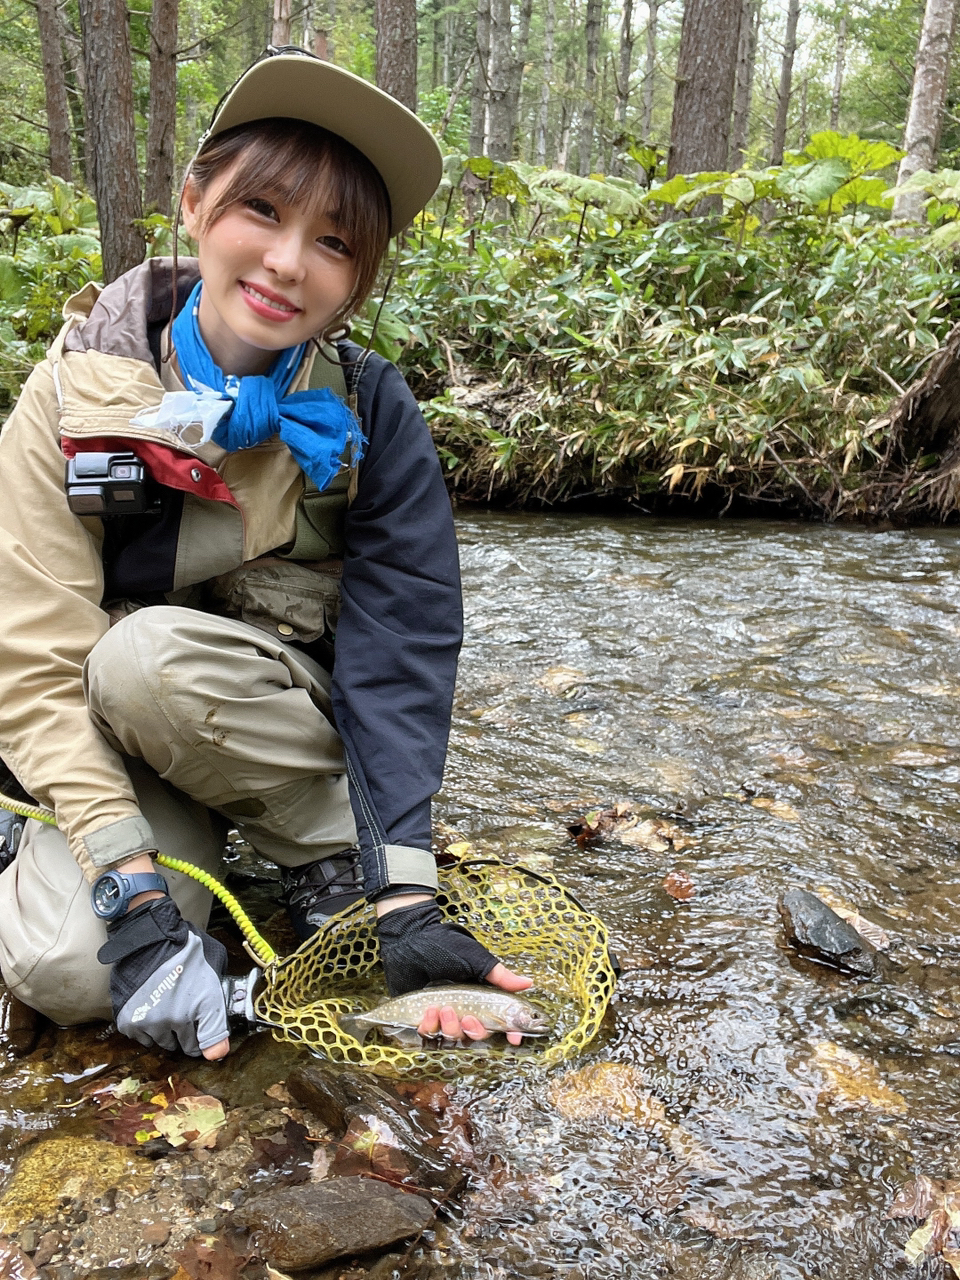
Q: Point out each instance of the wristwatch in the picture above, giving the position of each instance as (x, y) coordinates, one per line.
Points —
(112, 892)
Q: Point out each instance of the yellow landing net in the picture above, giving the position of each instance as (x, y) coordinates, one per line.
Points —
(526, 919)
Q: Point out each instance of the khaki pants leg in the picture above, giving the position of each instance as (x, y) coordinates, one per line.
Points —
(49, 936)
(239, 721)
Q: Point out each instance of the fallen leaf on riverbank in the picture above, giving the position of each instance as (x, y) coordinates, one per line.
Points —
(191, 1123)
(562, 680)
(129, 1108)
(210, 1258)
(612, 1090)
(778, 808)
(679, 885)
(626, 822)
(872, 932)
(14, 1263)
(852, 1081)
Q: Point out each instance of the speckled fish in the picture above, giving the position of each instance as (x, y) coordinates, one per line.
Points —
(495, 1010)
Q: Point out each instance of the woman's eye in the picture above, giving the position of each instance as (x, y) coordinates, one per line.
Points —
(334, 243)
(263, 207)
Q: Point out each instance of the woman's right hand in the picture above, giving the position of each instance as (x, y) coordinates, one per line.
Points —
(165, 984)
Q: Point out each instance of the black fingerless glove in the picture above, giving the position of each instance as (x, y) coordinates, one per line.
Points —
(165, 984)
(417, 947)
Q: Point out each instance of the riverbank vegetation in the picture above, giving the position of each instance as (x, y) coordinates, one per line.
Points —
(726, 340)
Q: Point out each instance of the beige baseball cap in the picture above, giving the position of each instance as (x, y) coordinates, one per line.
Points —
(291, 82)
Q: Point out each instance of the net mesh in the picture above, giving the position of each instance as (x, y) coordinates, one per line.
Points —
(527, 919)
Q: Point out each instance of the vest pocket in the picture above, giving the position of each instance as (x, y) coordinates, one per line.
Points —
(287, 600)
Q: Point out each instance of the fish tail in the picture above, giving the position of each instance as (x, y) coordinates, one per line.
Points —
(353, 1025)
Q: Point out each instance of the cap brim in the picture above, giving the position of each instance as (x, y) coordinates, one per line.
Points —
(398, 145)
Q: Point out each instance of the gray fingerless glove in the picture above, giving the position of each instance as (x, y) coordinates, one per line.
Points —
(166, 979)
(417, 947)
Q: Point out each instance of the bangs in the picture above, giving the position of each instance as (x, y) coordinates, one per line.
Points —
(311, 169)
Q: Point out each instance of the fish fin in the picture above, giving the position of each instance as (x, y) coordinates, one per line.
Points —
(408, 1036)
(352, 1024)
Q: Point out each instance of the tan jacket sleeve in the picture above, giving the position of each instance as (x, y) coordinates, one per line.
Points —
(51, 584)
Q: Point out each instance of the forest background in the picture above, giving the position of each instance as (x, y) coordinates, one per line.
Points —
(685, 253)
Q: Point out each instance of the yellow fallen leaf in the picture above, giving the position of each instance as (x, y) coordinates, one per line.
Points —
(779, 808)
(589, 745)
(561, 679)
(853, 1081)
(192, 1122)
(462, 849)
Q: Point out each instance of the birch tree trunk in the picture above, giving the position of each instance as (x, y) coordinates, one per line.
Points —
(478, 105)
(113, 140)
(743, 93)
(650, 68)
(838, 69)
(498, 76)
(55, 90)
(162, 110)
(927, 101)
(706, 77)
(396, 26)
(543, 118)
(786, 80)
(281, 22)
(589, 115)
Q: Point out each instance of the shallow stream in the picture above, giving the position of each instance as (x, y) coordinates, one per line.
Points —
(786, 699)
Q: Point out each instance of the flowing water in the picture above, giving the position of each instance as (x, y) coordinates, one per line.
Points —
(786, 698)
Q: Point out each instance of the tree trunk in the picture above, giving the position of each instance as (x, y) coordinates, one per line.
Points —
(927, 101)
(76, 84)
(517, 67)
(161, 133)
(396, 23)
(113, 141)
(786, 79)
(543, 119)
(478, 105)
(706, 76)
(55, 90)
(624, 70)
(650, 68)
(499, 70)
(841, 59)
(743, 94)
(588, 118)
(281, 23)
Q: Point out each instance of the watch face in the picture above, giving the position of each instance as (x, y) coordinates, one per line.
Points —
(107, 895)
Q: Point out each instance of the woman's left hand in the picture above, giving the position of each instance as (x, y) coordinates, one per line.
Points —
(444, 1021)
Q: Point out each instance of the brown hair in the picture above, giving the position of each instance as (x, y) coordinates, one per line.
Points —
(311, 168)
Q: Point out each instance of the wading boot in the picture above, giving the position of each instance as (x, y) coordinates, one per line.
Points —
(316, 891)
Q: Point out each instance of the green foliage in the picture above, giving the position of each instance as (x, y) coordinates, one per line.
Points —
(49, 248)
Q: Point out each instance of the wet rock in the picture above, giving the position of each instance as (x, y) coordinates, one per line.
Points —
(48, 1246)
(20, 1025)
(817, 931)
(14, 1263)
(300, 1227)
(28, 1240)
(155, 1234)
(379, 1134)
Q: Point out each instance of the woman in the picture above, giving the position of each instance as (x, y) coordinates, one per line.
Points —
(242, 604)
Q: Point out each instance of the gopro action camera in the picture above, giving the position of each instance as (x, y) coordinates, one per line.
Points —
(108, 484)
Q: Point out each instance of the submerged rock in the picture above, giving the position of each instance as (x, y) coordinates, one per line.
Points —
(57, 1168)
(300, 1227)
(380, 1135)
(817, 931)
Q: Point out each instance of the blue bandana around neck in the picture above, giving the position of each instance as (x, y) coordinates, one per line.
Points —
(316, 426)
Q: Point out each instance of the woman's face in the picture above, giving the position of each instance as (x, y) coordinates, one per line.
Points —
(273, 276)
